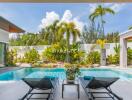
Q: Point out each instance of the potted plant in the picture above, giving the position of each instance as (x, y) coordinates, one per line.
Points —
(72, 71)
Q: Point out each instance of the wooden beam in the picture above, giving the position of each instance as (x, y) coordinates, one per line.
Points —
(129, 38)
(9, 27)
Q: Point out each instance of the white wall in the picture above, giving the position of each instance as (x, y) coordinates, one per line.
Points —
(22, 49)
(86, 47)
(109, 47)
(4, 36)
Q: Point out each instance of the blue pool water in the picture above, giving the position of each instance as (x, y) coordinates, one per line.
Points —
(60, 73)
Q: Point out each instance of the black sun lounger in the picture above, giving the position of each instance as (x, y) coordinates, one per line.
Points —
(44, 84)
(98, 83)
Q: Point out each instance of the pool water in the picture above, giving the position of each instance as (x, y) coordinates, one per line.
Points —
(60, 73)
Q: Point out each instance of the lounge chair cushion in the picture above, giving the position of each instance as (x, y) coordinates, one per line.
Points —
(44, 83)
(32, 82)
(100, 82)
(88, 77)
(50, 77)
(84, 82)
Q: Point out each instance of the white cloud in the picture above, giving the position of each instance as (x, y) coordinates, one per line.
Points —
(92, 7)
(117, 7)
(79, 24)
(49, 19)
(67, 17)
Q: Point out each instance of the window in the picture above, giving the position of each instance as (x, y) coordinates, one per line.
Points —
(2, 53)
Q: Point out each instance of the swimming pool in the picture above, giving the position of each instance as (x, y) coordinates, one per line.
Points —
(60, 73)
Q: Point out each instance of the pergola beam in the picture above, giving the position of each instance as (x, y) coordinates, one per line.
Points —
(123, 47)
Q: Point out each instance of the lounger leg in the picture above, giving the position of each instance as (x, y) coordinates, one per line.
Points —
(90, 95)
(112, 96)
(119, 98)
(49, 95)
(30, 90)
(62, 90)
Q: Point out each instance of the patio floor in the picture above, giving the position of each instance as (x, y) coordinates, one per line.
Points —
(15, 90)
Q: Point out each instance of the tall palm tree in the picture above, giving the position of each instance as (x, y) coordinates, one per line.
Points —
(50, 33)
(71, 31)
(100, 12)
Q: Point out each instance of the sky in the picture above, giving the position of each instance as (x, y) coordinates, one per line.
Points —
(33, 16)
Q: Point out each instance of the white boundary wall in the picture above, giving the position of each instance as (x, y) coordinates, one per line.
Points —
(109, 47)
(22, 49)
(86, 47)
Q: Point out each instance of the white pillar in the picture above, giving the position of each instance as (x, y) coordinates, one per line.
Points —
(123, 52)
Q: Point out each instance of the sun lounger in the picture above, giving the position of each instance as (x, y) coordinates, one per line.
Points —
(47, 85)
(94, 85)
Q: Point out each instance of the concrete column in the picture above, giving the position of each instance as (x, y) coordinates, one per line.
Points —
(123, 52)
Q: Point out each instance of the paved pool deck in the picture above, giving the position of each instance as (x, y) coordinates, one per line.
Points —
(15, 90)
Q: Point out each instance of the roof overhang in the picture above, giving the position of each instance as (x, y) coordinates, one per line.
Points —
(66, 1)
(9, 27)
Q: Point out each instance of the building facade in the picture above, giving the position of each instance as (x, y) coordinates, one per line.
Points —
(6, 27)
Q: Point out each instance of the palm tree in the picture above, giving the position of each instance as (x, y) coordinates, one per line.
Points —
(100, 12)
(70, 30)
(51, 33)
(89, 34)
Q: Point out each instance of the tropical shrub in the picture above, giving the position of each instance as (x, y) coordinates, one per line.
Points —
(58, 52)
(117, 49)
(93, 58)
(20, 59)
(31, 56)
(54, 53)
(76, 55)
(11, 57)
(129, 56)
(113, 59)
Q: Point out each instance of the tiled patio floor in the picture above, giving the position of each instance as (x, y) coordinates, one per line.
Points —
(15, 90)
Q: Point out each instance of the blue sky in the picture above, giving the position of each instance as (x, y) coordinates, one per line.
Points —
(29, 16)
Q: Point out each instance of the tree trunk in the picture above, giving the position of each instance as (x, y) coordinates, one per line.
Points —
(68, 48)
(103, 57)
(67, 57)
(102, 27)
